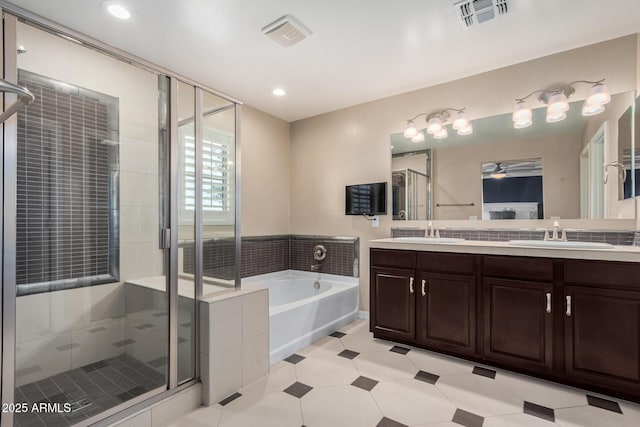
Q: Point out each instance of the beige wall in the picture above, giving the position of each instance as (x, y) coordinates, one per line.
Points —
(458, 173)
(351, 145)
(266, 159)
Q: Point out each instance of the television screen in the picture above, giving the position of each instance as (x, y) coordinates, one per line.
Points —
(366, 199)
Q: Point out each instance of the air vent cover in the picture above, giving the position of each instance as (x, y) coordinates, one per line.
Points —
(473, 12)
(286, 31)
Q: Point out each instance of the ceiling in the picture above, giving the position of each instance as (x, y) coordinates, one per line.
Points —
(360, 50)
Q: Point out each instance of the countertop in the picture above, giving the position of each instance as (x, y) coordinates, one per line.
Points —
(617, 253)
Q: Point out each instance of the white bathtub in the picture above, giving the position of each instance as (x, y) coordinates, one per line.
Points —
(299, 314)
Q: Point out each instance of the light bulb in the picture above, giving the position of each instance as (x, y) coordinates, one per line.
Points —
(524, 123)
(522, 112)
(592, 109)
(411, 130)
(554, 117)
(467, 130)
(460, 121)
(419, 137)
(441, 134)
(434, 125)
(598, 95)
(558, 103)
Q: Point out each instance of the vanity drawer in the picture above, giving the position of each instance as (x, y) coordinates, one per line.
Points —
(446, 262)
(602, 273)
(393, 258)
(522, 268)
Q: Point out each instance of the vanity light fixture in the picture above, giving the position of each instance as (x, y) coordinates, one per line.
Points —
(557, 101)
(436, 124)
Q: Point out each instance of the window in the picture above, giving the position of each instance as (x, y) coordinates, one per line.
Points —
(218, 180)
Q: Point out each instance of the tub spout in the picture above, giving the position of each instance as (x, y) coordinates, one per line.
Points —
(316, 266)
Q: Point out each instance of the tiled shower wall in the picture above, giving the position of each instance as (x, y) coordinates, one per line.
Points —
(502, 235)
(267, 254)
(64, 182)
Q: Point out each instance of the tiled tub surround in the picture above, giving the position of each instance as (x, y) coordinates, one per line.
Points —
(352, 379)
(268, 254)
(304, 307)
(622, 238)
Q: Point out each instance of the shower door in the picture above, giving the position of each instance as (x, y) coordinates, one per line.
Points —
(120, 192)
(89, 277)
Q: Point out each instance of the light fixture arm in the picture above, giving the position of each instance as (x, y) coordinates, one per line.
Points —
(568, 90)
(443, 114)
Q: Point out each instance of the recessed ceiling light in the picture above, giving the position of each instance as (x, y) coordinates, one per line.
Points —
(116, 9)
(279, 92)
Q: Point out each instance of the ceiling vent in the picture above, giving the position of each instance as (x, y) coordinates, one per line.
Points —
(473, 12)
(286, 31)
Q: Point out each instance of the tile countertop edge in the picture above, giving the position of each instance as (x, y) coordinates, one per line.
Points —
(618, 253)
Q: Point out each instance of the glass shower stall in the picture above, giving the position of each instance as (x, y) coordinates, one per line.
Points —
(120, 211)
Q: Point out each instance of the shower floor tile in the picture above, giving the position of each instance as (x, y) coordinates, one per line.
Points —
(415, 388)
(90, 389)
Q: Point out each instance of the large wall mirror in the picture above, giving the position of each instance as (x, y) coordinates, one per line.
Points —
(583, 167)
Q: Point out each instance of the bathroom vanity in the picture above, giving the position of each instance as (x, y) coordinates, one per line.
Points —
(572, 316)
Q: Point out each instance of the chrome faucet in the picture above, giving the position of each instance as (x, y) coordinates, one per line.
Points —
(556, 225)
(433, 232)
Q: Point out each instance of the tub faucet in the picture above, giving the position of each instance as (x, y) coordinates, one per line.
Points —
(316, 266)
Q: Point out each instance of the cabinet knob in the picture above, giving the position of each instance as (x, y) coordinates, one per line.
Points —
(411, 285)
(568, 297)
(424, 286)
(548, 302)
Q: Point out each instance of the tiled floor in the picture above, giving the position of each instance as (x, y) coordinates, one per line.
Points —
(90, 389)
(350, 379)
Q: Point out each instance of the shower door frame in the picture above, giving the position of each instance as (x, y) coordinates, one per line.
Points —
(8, 68)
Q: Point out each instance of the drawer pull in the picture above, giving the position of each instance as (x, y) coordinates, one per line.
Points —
(411, 285)
(548, 302)
(568, 297)
(424, 285)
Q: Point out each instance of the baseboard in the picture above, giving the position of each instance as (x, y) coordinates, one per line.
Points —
(363, 315)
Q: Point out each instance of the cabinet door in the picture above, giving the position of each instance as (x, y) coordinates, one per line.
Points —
(446, 312)
(518, 323)
(602, 334)
(393, 303)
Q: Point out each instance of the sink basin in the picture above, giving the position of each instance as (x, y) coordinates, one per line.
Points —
(437, 240)
(560, 244)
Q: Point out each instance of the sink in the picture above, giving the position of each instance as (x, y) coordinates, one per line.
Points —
(440, 240)
(560, 244)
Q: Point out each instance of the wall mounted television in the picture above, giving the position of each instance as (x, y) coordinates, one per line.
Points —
(366, 199)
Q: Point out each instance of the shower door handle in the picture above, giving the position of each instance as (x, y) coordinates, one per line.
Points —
(411, 285)
(165, 238)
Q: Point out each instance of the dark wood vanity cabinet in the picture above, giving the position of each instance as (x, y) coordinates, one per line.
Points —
(602, 324)
(393, 291)
(518, 323)
(518, 311)
(446, 302)
(572, 321)
(418, 298)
